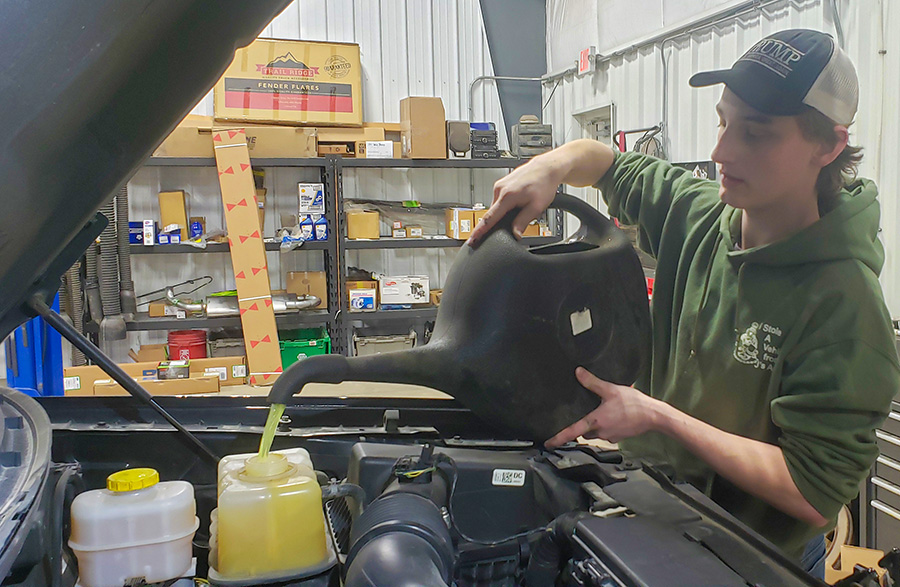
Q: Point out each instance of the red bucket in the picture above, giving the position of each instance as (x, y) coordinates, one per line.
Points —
(187, 344)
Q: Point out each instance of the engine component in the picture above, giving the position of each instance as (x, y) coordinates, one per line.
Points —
(513, 325)
(217, 306)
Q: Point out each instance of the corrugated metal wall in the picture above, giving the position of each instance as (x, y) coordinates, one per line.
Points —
(408, 48)
(634, 81)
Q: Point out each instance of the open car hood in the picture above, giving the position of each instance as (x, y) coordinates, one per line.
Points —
(87, 91)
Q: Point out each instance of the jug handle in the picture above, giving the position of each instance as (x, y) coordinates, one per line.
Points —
(595, 227)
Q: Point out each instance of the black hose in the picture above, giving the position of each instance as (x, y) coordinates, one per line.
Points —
(69, 476)
(400, 540)
(552, 550)
(355, 493)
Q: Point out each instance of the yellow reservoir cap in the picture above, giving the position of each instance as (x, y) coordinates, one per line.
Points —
(132, 479)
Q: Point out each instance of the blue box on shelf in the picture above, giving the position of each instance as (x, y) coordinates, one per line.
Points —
(136, 233)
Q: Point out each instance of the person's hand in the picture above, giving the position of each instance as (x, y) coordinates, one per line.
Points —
(624, 412)
(530, 187)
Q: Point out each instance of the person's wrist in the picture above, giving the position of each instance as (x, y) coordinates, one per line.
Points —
(660, 416)
(555, 164)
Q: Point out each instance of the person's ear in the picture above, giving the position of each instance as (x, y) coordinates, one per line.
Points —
(826, 155)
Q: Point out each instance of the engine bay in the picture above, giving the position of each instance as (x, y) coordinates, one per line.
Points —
(408, 505)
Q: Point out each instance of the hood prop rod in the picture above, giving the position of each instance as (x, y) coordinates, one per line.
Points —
(37, 304)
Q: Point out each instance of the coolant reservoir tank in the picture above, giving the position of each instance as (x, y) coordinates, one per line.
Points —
(136, 528)
(270, 523)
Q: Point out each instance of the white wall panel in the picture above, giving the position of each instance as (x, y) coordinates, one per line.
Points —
(634, 83)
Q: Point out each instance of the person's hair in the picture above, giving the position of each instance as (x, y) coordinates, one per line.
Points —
(815, 126)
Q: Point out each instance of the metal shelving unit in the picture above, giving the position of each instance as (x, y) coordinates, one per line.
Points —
(340, 321)
(416, 317)
(329, 248)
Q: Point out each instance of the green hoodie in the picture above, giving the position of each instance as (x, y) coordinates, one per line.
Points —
(788, 343)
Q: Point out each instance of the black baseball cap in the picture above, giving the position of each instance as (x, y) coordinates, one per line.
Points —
(789, 70)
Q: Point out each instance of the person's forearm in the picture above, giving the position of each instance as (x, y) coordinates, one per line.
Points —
(756, 467)
(580, 163)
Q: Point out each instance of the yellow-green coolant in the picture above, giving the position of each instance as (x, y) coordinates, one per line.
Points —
(270, 523)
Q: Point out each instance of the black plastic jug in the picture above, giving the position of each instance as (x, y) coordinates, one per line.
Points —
(513, 325)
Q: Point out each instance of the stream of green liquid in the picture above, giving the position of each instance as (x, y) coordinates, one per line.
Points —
(275, 413)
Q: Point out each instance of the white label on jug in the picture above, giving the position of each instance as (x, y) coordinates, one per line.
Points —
(581, 321)
(238, 371)
(222, 372)
(71, 383)
(509, 477)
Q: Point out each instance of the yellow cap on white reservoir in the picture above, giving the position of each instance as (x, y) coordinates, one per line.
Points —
(132, 479)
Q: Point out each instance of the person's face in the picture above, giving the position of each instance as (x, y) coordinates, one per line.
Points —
(764, 161)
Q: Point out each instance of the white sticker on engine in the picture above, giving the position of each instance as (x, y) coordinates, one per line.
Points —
(581, 321)
(72, 383)
(509, 477)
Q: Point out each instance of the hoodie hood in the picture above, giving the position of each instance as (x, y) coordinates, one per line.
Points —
(848, 231)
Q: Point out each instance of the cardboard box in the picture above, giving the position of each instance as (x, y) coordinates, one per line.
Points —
(477, 215)
(398, 233)
(229, 370)
(415, 232)
(363, 224)
(362, 299)
(193, 138)
(292, 82)
(459, 222)
(404, 289)
(350, 136)
(314, 283)
(80, 380)
(434, 296)
(173, 212)
(850, 556)
(362, 295)
(149, 237)
(312, 198)
(162, 310)
(423, 129)
(248, 258)
(150, 352)
(375, 149)
(342, 150)
(533, 229)
(192, 385)
(180, 369)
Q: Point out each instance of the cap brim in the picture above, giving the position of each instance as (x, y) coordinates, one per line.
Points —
(711, 78)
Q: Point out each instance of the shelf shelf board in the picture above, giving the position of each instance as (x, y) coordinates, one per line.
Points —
(424, 313)
(501, 163)
(259, 162)
(216, 248)
(430, 243)
(301, 319)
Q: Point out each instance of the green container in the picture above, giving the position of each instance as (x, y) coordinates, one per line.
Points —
(304, 343)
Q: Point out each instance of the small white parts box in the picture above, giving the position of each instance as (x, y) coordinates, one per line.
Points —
(362, 299)
(404, 289)
(312, 198)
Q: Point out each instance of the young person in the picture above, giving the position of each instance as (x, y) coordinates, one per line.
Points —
(773, 353)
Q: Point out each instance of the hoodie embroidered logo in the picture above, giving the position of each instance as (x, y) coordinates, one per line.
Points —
(762, 354)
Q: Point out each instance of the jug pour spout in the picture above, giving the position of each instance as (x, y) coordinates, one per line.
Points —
(419, 366)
